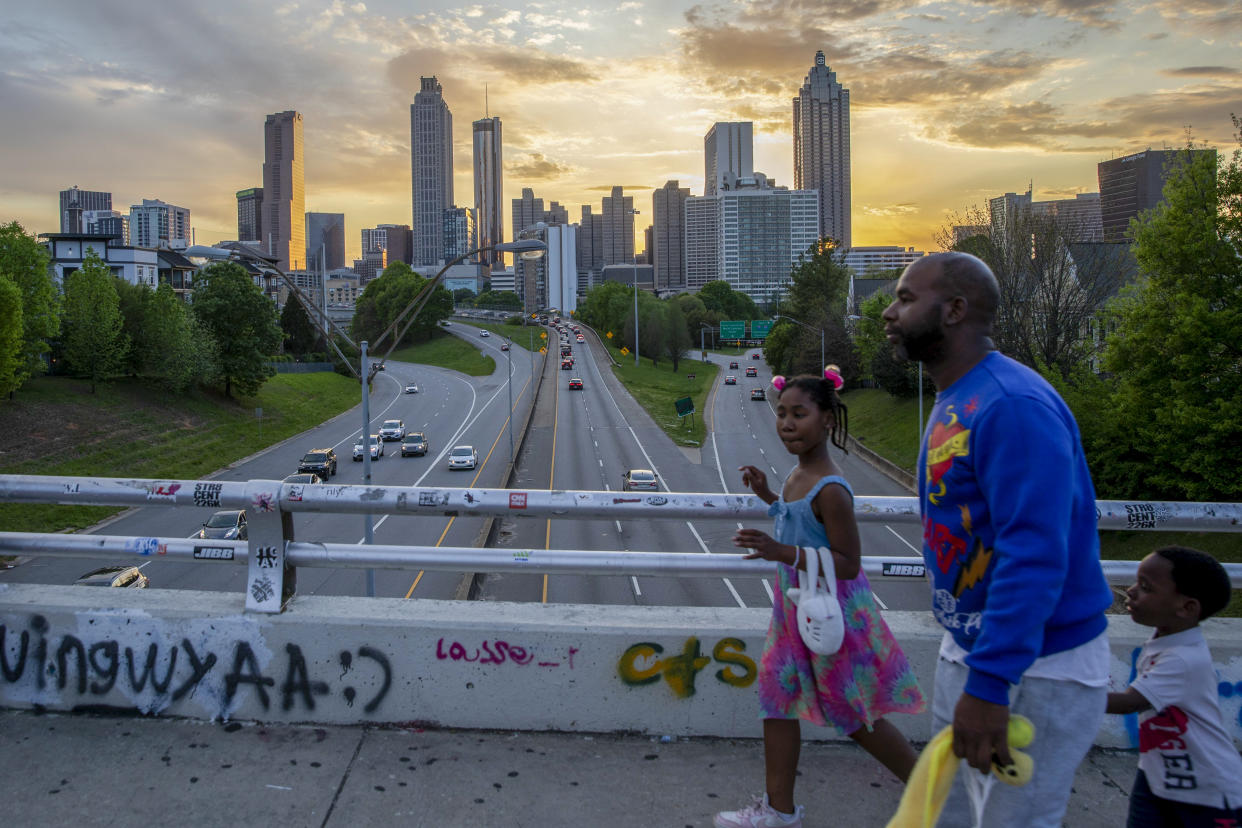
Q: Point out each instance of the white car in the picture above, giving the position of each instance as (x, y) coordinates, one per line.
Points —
(377, 448)
(392, 430)
(485, 333)
(411, 389)
(463, 457)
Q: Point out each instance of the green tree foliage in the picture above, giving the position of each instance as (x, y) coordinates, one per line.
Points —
(167, 346)
(24, 263)
(384, 300)
(606, 308)
(10, 336)
(732, 304)
(818, 299)
(677, 341)
(499, 300)
(95, 341)
(241, 321)
(301, 335)
(1176, 346)
(463, 296)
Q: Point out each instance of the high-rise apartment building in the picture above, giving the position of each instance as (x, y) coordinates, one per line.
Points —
(1135, 183)
(250, 215)
(394, 239)
(821, 133)
(728, 148)
(1079, 217)
(284, 191)
(750, 236)
(618, 212)
(155, 223)
(556, 214)
(325, 241)
(590, 248)
(461, 233)
(106, 223)
(668, 232)
(489, 188)
(527, 211)
(431, 170)
(73, 202)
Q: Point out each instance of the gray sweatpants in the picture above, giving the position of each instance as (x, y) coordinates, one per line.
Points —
(1067, 716)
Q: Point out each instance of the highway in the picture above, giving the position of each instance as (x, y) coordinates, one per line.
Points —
(577, 439)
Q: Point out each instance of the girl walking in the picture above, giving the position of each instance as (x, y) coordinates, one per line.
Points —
(869, 676)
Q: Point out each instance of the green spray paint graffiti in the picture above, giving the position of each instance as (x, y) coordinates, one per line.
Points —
(642, 664)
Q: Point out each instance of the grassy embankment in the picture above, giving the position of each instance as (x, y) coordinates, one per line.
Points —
(55, 426)
(657, 388)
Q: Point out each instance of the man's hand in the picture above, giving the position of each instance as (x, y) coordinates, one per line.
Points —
(980, 733)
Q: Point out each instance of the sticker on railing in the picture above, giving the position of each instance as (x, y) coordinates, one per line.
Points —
(213, 553)
(207, 494)
(904, 570)
(163, 491)
(517, 500)
(145, 546)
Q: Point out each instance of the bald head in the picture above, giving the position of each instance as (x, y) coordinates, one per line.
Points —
(961, 274)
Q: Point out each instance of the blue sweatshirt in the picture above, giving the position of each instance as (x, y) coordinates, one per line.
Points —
(1009, 524)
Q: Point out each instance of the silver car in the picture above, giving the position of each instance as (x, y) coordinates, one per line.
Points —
(463, 457)
(377, 448)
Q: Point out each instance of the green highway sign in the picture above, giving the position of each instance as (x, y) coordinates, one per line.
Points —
(685, 406)
(759, 328)
(733, 330)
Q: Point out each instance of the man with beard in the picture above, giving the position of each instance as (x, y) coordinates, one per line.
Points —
(1009, 537)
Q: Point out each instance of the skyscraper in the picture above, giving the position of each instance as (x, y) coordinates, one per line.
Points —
(250, 215)
(489, 187)
(821, 133)
(283, 227)
(73, 202)
(527, 210)
(618, 211)
(1134, 183)
(728, 147)
(668, 210)
(154, 223)
(325, 241)
(431, 170)
(461, 234)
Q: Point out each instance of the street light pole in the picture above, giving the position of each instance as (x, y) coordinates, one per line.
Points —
(368, 525)
(634, 279)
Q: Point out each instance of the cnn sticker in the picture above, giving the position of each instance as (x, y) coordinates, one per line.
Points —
(517, 500)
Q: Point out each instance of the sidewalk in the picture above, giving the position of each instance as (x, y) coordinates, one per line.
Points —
(99, 770)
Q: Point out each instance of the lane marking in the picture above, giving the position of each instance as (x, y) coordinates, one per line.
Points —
(903, 540)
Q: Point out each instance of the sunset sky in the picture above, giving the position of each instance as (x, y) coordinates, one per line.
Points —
(951, 102)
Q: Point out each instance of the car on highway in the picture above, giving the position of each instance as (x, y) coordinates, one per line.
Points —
(414, 444)
(303, 478)
(320, 461)
(730, 380)
(640, 480)
(485, 333)
(229, 524)
(567, 364)
(126, 577)
(758, 394)
(392, 430)
(463, 457)
(733, 365)
(752, 371)
(411, 389)
(504, 347)
(756, 355)
(581, 338)
(575, 384)
(377, 448)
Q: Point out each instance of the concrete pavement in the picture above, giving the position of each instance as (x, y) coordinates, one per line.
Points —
(89, 770)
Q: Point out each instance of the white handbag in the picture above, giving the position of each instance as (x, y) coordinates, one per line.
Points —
(820, 620)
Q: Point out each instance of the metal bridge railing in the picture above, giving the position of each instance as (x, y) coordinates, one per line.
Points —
(272, 554)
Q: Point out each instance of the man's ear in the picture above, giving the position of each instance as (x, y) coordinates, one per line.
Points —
(953, 310)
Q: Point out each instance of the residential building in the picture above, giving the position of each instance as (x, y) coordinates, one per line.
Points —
(431, 170)
(283, 229)
(250, 214)
(461, 232)
(155, 223)
(1135, 183)
(74, 202)
(325, 241)
(489, 188)
(702, 241)
(107, 223)
(342, 287)
(864, 261)
(821, 133)
(618, 238)
(728, 147)
(176, 271)
(68, 252)
(668, 234)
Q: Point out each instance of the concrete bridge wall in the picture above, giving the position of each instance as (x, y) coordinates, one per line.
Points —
(678, 671)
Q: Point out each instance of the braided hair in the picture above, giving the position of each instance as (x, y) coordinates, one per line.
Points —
(823, 392)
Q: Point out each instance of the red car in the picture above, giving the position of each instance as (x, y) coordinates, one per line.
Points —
(752, 371)
(733, 365)
(567, 364)
(575, 384)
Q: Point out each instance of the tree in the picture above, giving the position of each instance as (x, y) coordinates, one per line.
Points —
(95, 342)
(677, 341)
(180, 351)
(24, 263)
(386, 298)
(463, 296)
(818, 298)
(499, 300)
(607, 307)
(300, 333)
(718, 296)
(1176, 347)
(10, 336)
(241, 321)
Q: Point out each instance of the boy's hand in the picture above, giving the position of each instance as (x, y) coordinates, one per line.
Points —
(981, 733)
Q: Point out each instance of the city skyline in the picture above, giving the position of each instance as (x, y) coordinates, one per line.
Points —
(951, 103)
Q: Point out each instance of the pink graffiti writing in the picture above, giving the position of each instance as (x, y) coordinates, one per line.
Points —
(497, 652)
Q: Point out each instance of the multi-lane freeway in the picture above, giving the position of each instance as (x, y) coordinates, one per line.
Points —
(577, 439)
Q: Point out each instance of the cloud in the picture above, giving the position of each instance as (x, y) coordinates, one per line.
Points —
(906, 209)
(1210, 17)
(1200, 71)
(1094, 13)
(537, 167)
(519, 66)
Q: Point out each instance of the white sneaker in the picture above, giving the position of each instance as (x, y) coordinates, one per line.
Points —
(759, 814)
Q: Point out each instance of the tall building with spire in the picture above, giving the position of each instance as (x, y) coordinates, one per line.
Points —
(283, 228)
(489, 188)
(431, 170)
(821, 133)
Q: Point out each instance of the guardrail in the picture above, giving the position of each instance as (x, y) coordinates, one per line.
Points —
(272, 554)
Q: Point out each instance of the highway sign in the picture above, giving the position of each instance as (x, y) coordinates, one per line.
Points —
(609, 334)
(759, 328)
(733, 330)
(685, 406)
(625, 351)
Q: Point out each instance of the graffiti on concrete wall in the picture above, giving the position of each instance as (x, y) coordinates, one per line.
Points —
(645, 663)
(496, 651)
(217, 671)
